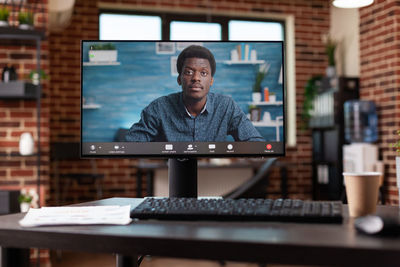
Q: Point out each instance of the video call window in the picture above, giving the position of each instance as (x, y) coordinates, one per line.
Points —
(146, 71)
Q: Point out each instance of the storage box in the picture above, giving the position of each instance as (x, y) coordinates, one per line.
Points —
(359, 157)
(9, 202)
(18, 89)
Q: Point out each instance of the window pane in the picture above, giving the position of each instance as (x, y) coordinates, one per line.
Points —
(129, 27)
(200, 31)
(255, 31)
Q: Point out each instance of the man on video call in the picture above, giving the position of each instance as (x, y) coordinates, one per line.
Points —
(195, 114)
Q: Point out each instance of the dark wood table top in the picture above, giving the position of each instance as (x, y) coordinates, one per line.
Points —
(271, 242)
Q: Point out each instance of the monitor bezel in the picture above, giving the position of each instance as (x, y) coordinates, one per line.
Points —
(189, 156)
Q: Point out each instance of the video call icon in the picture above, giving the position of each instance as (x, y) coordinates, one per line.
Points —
(169, 147)
(211, 146)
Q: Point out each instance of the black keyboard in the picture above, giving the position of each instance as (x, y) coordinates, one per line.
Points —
(218, 209)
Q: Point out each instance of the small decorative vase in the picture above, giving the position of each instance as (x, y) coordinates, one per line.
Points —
(272, 98)
(26, 144)
(256, 97)
(24, 206)
(330, 71)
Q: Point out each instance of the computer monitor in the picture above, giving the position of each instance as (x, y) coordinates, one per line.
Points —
(182, 100)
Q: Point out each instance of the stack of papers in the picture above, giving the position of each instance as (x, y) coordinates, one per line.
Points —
(119, 215)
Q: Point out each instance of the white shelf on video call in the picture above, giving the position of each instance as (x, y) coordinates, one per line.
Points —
(91, 106)
(264, 103)
(268, 123)
(232, 62)
(100, 63)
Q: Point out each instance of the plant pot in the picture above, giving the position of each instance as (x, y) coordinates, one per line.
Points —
(256, 97)
(26, 144)
(330, 71)
(272, 98)
(24, 206)
(102, 55)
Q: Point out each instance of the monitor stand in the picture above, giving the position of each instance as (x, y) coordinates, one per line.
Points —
(182, 177)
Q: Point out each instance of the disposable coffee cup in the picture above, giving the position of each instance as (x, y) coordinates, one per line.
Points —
(362, 192)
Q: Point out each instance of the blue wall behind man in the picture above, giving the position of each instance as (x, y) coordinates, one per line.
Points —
(143, 75)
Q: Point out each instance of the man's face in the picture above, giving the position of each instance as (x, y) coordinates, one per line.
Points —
(195, 79)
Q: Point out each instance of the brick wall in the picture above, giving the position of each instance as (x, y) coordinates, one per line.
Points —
(18, 116)
(380, 77)
(311, 21)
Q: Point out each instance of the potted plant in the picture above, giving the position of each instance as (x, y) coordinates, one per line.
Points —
(103, 53)
(261, 73)
(25, 19)
(396, 145)
(4, 14)
(272, 97)
(34, 76)
(310, 93)
(330, 48)
(24, 200)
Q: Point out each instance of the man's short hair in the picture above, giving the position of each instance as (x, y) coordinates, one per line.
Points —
(195, 51)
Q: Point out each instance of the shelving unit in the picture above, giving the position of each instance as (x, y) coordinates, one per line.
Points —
(91, 106)
(113, 63)
(276, 103)
(8, 35)
(244, 62)
(327, 126)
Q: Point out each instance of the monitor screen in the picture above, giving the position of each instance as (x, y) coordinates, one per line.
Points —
(182, 99)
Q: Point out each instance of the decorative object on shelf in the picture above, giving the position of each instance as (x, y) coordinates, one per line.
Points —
(24, 200)
(266, 94)
(261, 73)
(310, 92)
(9, 74)
(106, 52)
(4, 14)
(330, 48)
(255, 113)
(266, 117)
(34, 76)
(234, 55)
(396, 145)
(25, 19)
(26, 144)
(272, 97)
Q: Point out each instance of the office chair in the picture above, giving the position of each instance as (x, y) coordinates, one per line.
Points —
(70, 151)
(252, 188)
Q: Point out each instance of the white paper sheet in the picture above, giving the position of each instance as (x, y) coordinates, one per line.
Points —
(119, 215)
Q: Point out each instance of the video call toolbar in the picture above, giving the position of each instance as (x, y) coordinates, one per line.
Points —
(181, 148)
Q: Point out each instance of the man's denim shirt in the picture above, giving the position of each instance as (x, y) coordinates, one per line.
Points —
(166, 119)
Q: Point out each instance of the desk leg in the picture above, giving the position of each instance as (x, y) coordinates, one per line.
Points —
(149, 181)
(139, 183)
(14, 257)
(127, 261)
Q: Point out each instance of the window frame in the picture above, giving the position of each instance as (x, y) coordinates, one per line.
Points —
(167, 18)
(181, 14)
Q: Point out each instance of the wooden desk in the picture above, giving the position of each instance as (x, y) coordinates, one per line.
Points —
(273, 242)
